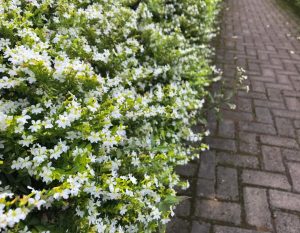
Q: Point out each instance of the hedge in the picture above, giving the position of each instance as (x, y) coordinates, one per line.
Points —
(97, 103)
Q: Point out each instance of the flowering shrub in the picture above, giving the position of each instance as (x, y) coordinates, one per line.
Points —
(97, 103)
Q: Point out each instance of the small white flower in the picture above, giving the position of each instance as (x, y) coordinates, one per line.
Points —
(135, 161)
(63, 121)
(132, 179)
(94, 137)
(23, 119)
(35, 125)
(36, 109)
(123, 210)
(26, 140)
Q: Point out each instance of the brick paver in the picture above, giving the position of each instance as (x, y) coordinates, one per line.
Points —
(250, 180)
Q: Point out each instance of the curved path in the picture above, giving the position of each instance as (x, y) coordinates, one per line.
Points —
(250, 181)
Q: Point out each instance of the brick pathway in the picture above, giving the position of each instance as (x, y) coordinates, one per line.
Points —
(250, 181)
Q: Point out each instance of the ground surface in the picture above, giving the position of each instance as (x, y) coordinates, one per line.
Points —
(250, 181)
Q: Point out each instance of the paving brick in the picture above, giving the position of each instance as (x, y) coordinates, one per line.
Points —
(221, 211)
(237, 116)
(274, 94)
(266, 179)
(292, 103)
(269, 104)
(285, 200)
(258, 86)
(285, 113)
(244, 105)
(226, 128)
(272, 159)
(257, 208)
(291, 93)
(200, 227)
(268, 72)
(285, 127)
(257, 127)
(207, 165)
(205, 188)
(222, 144)
(263, 115)
(183, 209)
(248, 143)
(178, 225)
(297, 124)
(283, 79)
(279, 86)
(237, 160)
(253, 95)
(263, 79)
(226, 229)
(227, 183)
(294, 170)
(279, 141)
(291, 154)
(286, 223)
(188, 170)
(212, 122)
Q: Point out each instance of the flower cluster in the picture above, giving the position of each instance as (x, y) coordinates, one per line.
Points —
(97, 100)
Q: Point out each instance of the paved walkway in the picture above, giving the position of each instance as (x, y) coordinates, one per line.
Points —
(250, 181)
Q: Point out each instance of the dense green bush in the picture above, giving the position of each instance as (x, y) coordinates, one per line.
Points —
(97, 103)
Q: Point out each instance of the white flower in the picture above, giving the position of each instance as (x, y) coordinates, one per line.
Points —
(3, 121)
(36, 201)
(46, 173)
(135, 161)
(47, 124)
(36, 109)
(4, 43)
(102, 56)
(14, 216)
(132, 179)
(35, 125)
(123, 210)
(63, 121)
(23, 119)
(26, 140)
(155, 213)
(94, 137)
